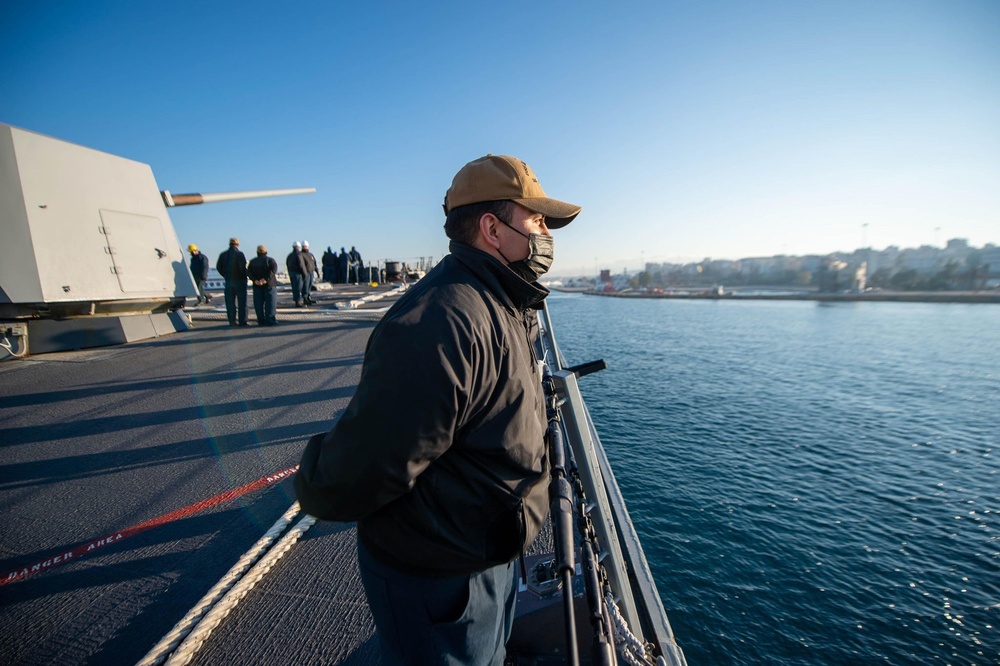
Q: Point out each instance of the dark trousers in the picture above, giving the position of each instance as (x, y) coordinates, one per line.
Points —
(297, 279)
(307, 283)
(236, 301)
(265, 302)
(456, 620)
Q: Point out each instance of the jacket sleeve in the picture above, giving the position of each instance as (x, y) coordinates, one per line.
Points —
(413, 395)
(304, 263)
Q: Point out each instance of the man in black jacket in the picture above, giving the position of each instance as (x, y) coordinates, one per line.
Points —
(232, 266)
(343, 266)
(308, 273)
(329, 265)
(262, 271)
(199, 270)
(293, 264)
(448, 482)
(357, 266)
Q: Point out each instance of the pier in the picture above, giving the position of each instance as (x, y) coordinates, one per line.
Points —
(990, 296)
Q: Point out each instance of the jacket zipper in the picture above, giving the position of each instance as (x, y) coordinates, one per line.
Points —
(527, 338)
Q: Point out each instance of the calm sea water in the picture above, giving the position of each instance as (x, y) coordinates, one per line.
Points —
(813, 483)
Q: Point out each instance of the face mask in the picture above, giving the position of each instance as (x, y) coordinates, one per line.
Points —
(541, 251)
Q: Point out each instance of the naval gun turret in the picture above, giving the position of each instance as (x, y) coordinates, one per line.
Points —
(89, 256)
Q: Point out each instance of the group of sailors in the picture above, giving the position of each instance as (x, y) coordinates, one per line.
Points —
(345, 267)
(302, 268)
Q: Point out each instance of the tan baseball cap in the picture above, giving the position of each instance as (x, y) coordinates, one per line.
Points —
(499, 177)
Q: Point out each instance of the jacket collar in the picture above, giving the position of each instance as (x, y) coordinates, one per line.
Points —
(510, 287)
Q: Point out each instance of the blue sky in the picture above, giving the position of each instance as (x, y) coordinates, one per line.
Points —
(684, 129)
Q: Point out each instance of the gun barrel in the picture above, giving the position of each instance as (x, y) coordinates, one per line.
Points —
(171, 200)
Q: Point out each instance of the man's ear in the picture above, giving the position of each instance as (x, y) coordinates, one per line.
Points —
(489, 230)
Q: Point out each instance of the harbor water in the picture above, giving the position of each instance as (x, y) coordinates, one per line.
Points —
(813, 483)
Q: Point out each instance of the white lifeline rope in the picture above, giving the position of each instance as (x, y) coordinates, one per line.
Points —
(6, 344)
(169, 643)
(631, 648)
(186, 651)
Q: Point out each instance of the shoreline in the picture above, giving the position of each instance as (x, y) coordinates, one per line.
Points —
(882, 296)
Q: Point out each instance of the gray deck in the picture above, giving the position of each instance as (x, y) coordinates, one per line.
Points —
(99, 440)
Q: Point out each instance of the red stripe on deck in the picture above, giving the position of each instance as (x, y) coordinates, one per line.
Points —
(86, 548)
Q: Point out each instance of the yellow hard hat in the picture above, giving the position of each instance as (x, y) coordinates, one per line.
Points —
(192, 248)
